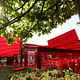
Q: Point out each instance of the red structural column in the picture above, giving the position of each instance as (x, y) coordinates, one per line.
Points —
(16, 59)
(36, 57)
(21, 55)
(26, 58)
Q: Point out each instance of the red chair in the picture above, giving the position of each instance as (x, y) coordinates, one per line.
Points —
(2, 65)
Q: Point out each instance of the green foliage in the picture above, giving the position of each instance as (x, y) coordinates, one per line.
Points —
(46, 75)
(25, 17)
(10, 40)
(28, 78)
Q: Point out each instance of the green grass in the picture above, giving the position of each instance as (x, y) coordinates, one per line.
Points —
(5, 71)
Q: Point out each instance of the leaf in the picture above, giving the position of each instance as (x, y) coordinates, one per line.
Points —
(10, 41)
(40, 18)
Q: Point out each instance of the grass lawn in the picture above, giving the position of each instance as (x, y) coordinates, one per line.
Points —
(5, 71)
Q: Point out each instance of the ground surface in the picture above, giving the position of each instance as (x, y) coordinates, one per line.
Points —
(5, 71)
(28, 74)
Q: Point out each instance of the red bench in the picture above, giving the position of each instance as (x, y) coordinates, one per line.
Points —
(20, 68)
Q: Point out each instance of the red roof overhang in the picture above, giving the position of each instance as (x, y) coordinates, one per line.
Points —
(9, 50)
(68, 40)
(71, 46)
(35, 46)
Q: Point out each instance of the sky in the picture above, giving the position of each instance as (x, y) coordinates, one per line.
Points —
(69, 25)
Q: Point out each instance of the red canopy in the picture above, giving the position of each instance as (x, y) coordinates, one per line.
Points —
(68, 40)
(9, 50)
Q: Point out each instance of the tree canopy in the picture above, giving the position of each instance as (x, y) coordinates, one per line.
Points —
(25, 17)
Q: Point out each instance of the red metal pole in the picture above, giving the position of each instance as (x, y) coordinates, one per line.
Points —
(21, 55)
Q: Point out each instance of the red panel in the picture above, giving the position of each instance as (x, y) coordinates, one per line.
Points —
(63, 39)
(9, 50)
(77, 48)
(72, 46)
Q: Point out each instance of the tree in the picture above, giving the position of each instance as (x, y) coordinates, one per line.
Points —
(26, 17)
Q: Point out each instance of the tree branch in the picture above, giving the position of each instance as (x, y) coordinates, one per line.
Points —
(54, 5)
(50, 8)
(37, 21)
(27, 34)
(22, 5)
(19, 17)
(77, 2)
(52, 16)
(43, 6)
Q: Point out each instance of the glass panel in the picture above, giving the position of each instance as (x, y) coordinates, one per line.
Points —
(43, 57)
(31, 52)
(49, 56)
(31, 58)
(79, 57)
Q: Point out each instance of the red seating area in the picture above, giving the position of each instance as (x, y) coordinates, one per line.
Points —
(20, 68)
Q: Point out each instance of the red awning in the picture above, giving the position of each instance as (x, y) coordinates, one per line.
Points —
(68, 40)
(72, 46)
(9, 50)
